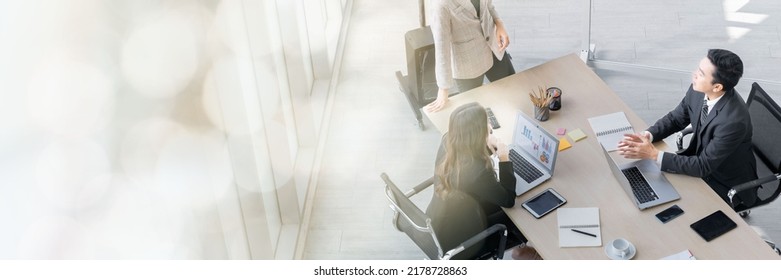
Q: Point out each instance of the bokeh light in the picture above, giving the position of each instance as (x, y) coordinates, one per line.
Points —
(69, 97)
(118, 161)
(141, 146)
(56, 237)
(194, 168)
(228, 26)
(222, 89)
(161, 54)
(136, 225)
(71, 174)
(182, 167)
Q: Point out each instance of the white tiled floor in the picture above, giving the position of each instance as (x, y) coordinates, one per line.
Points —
(372, 129)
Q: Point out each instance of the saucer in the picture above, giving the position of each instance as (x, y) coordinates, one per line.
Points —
(613, 256)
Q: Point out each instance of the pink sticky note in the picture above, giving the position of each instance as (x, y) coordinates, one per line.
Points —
(561, 131)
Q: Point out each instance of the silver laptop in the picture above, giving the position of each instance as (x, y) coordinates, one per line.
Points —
(643, 182)
(533, 153)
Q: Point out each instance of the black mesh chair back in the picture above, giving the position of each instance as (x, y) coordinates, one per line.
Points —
(766, 121)
(455, 219)
(464, 222)
(409, 219)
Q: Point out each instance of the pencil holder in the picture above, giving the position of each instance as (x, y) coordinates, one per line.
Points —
(555, 103)
(541, 114)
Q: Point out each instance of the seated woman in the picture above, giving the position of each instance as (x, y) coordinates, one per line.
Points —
(464, 166)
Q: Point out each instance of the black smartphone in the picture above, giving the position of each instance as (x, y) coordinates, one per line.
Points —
(669, 213)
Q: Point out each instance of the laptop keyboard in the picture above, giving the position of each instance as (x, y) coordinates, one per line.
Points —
(640, 187)
(524, 168)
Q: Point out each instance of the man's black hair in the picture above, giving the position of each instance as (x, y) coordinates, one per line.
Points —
(729, 68)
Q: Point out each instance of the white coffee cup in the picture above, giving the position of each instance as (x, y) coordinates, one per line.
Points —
(620, 247)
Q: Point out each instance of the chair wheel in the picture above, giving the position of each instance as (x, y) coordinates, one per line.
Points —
(744, 213)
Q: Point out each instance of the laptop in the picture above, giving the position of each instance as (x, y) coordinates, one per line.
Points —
(643, 182)
(533, 153)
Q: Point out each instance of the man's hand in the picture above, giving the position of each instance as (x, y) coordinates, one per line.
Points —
(501, 36)
(441, 102)
(636, 146)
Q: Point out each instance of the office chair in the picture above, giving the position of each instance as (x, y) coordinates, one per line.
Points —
(766, 123)
(681, 140)
(410, 219)
(766, 120)
(419, 85)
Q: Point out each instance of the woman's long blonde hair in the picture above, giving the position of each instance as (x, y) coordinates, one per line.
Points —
(465, 143)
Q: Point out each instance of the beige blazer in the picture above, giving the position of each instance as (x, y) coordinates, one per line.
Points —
(463, 42)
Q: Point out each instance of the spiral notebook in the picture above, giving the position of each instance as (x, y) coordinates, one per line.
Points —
(585, 220)
(610, 129)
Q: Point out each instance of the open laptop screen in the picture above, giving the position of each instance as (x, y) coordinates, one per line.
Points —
(535, 141)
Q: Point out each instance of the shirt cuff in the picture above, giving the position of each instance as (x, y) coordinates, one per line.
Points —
(650, 136)
(659, 158)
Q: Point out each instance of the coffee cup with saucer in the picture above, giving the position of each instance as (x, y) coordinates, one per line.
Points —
(620, 249)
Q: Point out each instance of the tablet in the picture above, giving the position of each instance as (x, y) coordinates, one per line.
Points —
(714, 225)
(543, 203)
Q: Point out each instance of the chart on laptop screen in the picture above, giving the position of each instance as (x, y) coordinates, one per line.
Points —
(536, 143)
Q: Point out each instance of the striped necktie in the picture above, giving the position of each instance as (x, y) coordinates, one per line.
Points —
(704, 114)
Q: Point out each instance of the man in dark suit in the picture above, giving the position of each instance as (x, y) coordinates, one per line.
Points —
(720, 150)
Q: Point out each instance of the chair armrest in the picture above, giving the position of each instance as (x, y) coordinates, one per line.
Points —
(751, 185)
(679, 141)
(420, 187)
(480, 236)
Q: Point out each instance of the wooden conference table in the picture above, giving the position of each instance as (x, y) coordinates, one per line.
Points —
(583, 177)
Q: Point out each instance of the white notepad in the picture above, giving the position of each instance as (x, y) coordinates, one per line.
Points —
(610, 129)
(582, 219)
(682, 255)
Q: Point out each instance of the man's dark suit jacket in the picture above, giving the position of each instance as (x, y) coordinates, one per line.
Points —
(720, 150)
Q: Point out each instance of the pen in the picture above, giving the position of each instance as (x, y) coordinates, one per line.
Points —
(583, 232)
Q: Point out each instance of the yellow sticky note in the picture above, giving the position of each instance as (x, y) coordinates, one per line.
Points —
(564, 144)
(576, 135)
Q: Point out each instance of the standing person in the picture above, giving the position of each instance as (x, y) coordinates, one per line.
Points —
(470, 42)
(720, 151)
(464, 165)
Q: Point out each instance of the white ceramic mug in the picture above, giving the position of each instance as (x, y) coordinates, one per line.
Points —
(620, 247)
